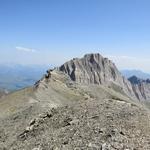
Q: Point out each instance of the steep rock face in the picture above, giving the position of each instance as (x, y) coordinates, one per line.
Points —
(141, 88)
(95, 69)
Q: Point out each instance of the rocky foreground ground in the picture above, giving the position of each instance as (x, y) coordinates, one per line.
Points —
(106, 124)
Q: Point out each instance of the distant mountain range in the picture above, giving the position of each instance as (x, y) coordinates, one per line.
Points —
(14, 77)
(137, 73)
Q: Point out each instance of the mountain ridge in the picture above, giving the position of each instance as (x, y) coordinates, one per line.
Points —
(138, 73)
(61, 112)
(141, 88)
(95, 69)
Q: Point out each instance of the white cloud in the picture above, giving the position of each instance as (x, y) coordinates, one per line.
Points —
(24, 49)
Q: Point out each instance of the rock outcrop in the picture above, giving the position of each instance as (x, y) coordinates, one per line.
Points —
(95, 69)
(141, 88)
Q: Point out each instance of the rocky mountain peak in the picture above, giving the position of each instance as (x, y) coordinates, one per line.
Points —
(92, 57)
(95, 69)
(92, 68)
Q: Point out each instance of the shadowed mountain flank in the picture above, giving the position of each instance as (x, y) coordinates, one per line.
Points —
(141, 88)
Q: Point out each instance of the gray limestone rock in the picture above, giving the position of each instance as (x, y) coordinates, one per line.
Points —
(95, 69)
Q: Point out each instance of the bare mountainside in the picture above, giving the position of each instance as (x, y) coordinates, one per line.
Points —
(141, 88)
(138, 73)
(84, 104)
(95, 69)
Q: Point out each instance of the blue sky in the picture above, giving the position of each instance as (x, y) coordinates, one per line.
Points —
(53, 31)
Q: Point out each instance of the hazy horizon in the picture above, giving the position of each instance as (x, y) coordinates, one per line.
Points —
(52, 32)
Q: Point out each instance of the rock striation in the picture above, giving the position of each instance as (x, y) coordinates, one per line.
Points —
(141, 88)
(95, 69)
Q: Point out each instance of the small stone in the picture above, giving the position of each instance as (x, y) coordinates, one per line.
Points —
(122, 133)
(29, 128)
(49, 115)
(74, 122)
(32, 122)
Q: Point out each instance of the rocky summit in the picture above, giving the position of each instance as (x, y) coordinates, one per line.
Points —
(95, 69)
(85, 104)
(92, 69)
